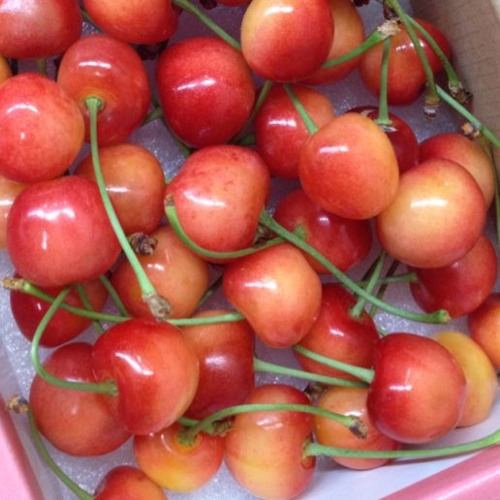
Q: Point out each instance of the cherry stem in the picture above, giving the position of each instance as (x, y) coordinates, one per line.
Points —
(364, 374)
(390, 280)
(267, 367)
(88, 306)
(383, 286)
(315, 449)
(207, 21)
(173, 219)
(153, 115)
(115, 297)
(159, 306)
(386, 30)
(208, 424)
(304, 115)
(440, 316)
(383, 119)
(108, 388)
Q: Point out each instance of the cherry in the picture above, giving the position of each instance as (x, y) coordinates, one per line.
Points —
(277, 291)
(76, 422)
(459, 287)
(41, 129)
(280, 132)
(135, 183)
(344, 242)
(149, 362)
(437, 216)
(272, 37)
(349, 167)
(103, 67)
(52, 25)
(205, 89)
(58, 233)
(264, 450)
(176, 464)
(8, 192)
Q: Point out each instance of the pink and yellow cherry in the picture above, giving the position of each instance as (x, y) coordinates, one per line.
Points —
(52, 26)
(41, 129)
(155, 371)
(29, 310)
(437, 216)
(349, 168)
(350, 401)
(280, 132)
(277, 291)
(135, 182)
(403, 139)
(8, 193)
(406, 76)
(484, 327)
(418, 391)
(349, 33)
(461, 286)
(175, 271)
(338, 334)
(76, 422)
(176, 464)
(58, 233)
(219, 194)
(482, 382)
(5, 71)
(206, 90)
(133, 22)
(344, 242)
(272, 37)
(458, 148)
(264, 450)
(127, 483)
(225, 354)
(103, 67)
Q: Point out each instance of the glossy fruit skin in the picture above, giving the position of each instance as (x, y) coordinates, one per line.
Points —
(177, 274)
(437, 216)
(206, 90)
(264, 450)
(344, 242)
(28, 311)
(134, 22)
(349, 167)
(350, 401)
(225, 354)
(135, 183)
(280, 132)
(413, 374)
(272, 37)
(53, 25)
(8, 193)
(76, 422)
(176, 465)
(219, 194)
(482, 382)
(337, 334)
(58, 233)
(460, 287)
(100, 66)
(41, 129)
(127, 483)
(406, 77)
(150, 362)
(277, 291)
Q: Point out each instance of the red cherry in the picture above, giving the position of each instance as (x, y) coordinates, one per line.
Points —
(41, 129)
(76, 422)
(58, 233)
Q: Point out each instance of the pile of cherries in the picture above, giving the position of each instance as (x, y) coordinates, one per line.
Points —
(281, 231)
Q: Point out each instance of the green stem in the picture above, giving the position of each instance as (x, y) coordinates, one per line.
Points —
(153, 115)
(232, 317)
(440, 316)
(159, 306)
(315, 449)
(207, 21)
(115, 297)
(364, 374)
(264, 366)
(383, 286)
(383, 110)
(391, 280)
(306, 118)
(80, 289)
(102, 388)
(173, 219)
